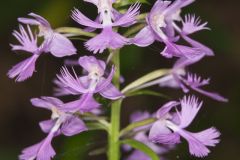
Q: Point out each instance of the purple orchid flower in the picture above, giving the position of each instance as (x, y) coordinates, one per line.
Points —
(106, 21)
(190, 25)
(142, 137)
(88, 85)
(178, 78)
(61, 122)
(171, 125)
(161, 27)
(59, 45)
(54, 43)
(28, 43)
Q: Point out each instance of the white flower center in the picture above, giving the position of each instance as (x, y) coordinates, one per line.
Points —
(159, 23)
(172, 126)
(55, 113)
(94, 76)
(176, 16)
(56, 126)
(45, 32)
(105, 10)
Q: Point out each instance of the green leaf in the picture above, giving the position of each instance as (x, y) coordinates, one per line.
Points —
(147, 92)
(72, 32)
(100, 123)
(96, 126)
(142, 147)
(76, 147)
(132, 126)
(148, 77)
(98, 151)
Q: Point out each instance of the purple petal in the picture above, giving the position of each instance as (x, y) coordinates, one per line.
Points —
(64, 91)
(208, 137)
(85, 104)
(104, 83)
(91, 64)
(158, 8)
(40, 19)
(106, 39)
(47, 125)
(144, 38)
(83, 20)
(111, 92)
(24, 69)
(142, 137)
(177, 5)
(46, 151)
(196, 81)
(196, 145)
(129, 17)
(60, 46)
(30, 152)
(73, 126)
(212, 95)
(29, 21)
(169, 139)
(177, 78)
(46, 102)
(159, 133)
(138, 155)
(184, 62)
(117, 15)
(40, 151)
(170, 31)
(170, 80)
(90, 29)
(204, 49)
(165, 109)
(27, 40)
(37, 21)
(174, 50)
(192, 24)
(189, 109)
(69, 83)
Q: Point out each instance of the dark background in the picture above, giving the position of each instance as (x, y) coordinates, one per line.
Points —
(18, 119)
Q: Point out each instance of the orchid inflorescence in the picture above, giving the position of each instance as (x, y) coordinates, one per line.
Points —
(151, 134)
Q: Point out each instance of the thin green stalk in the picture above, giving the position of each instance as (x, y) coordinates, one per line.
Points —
(132, 126)
(134, 30)
(74, 31)
(114, 132)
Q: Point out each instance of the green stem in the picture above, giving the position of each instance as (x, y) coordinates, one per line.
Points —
(132, 126)
(114, 132)
(74, 31)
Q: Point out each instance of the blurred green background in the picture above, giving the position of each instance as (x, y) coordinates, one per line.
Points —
(18, 119)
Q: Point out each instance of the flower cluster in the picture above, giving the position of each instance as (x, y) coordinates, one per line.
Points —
(163, 24)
